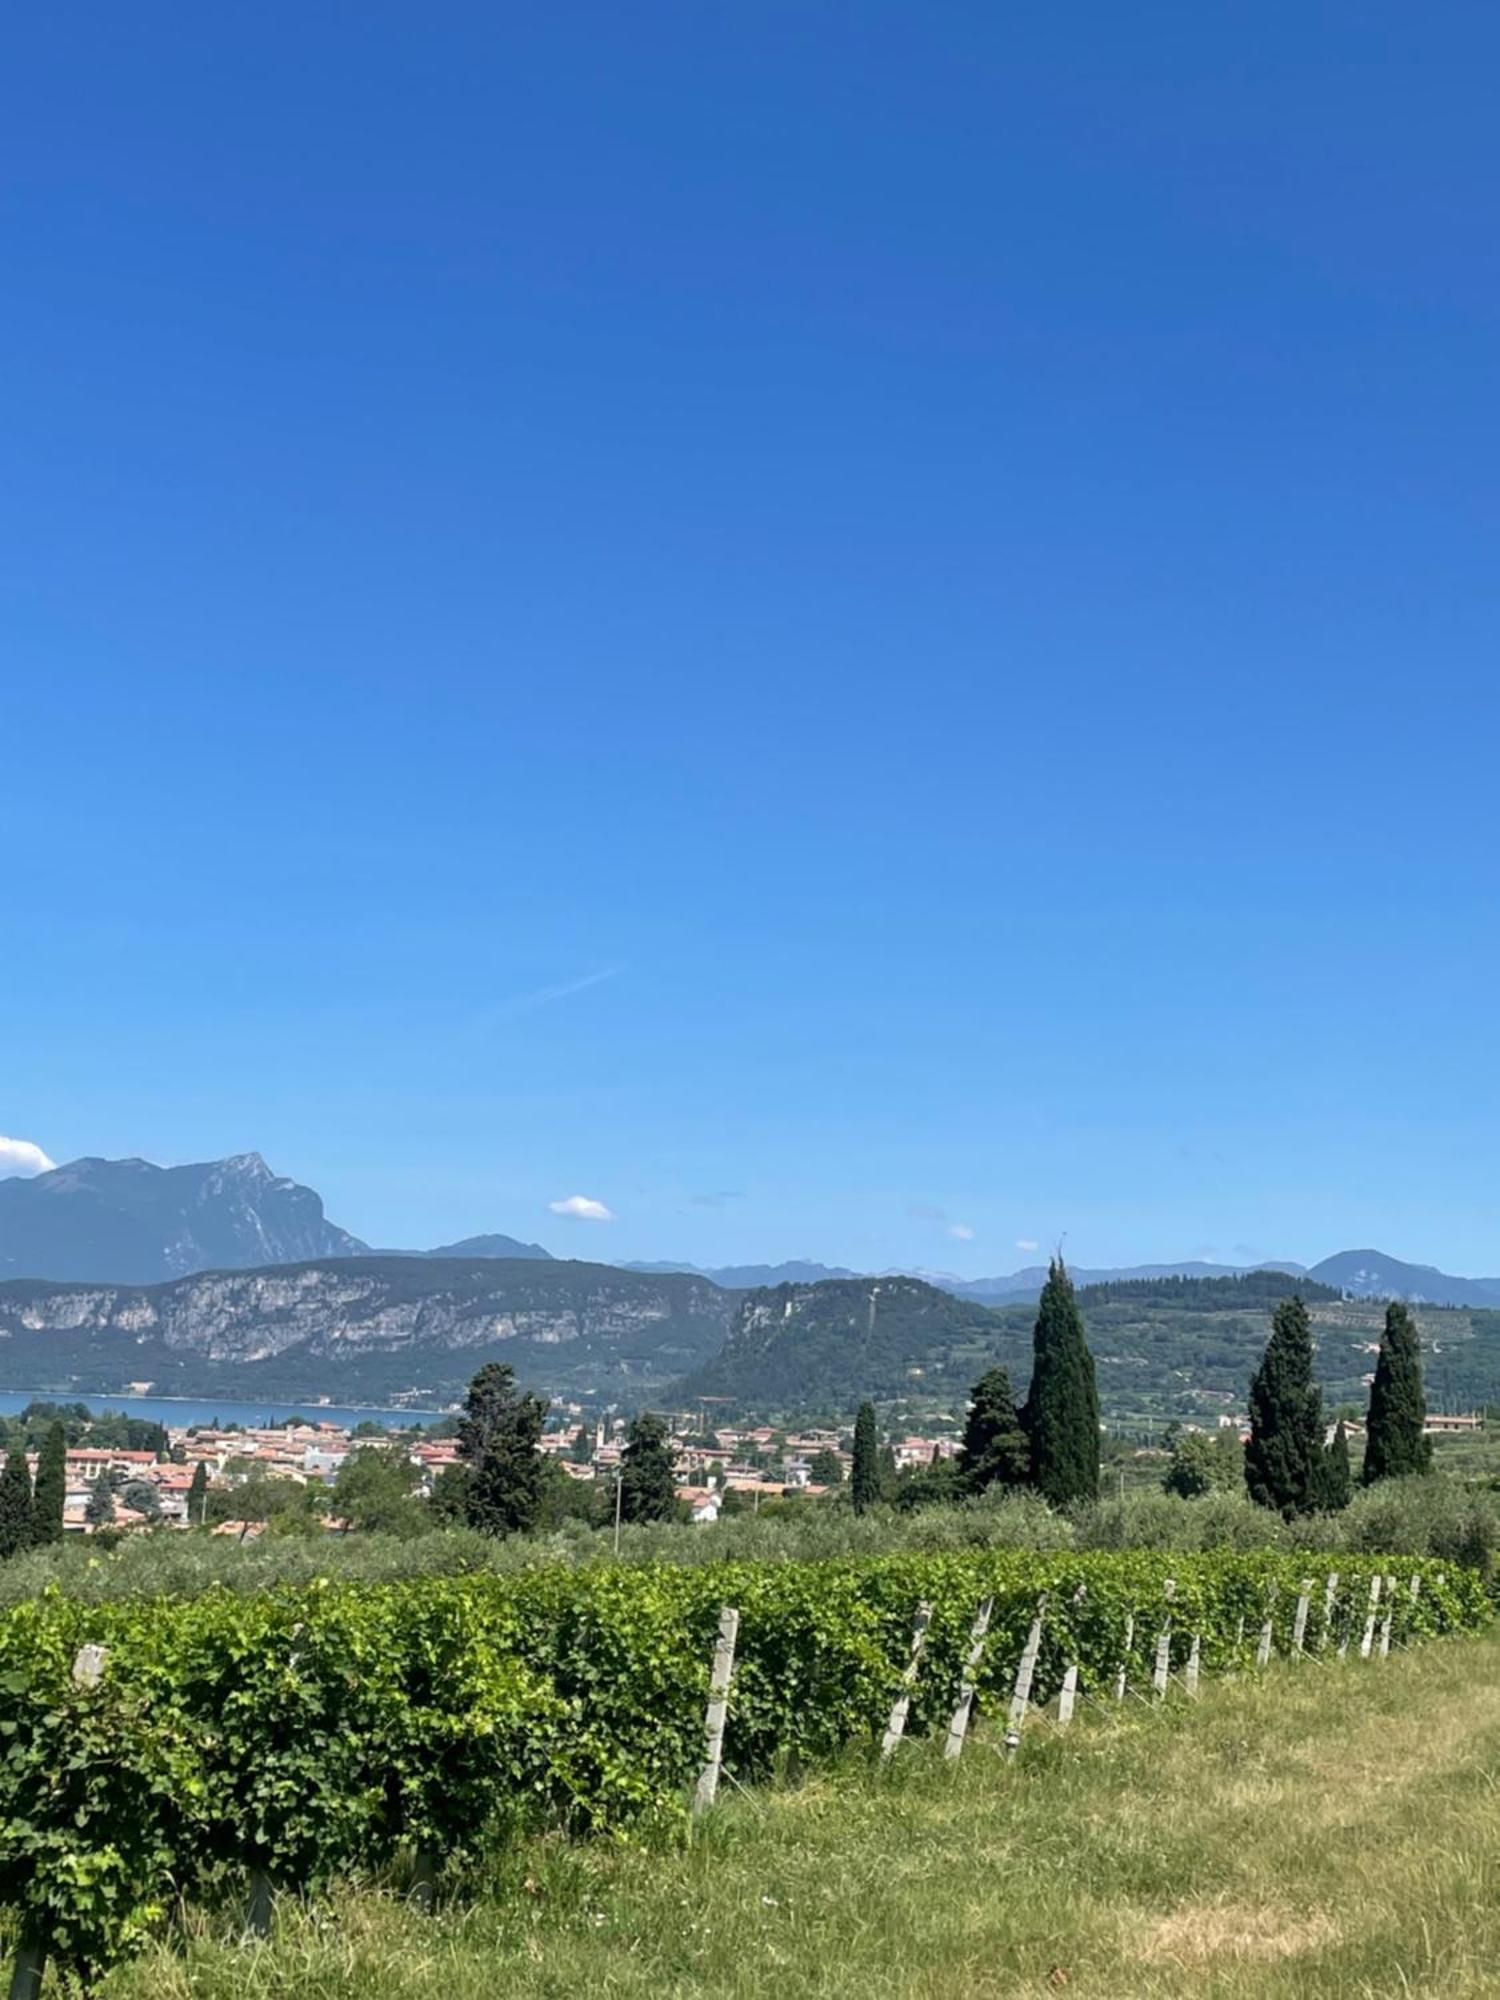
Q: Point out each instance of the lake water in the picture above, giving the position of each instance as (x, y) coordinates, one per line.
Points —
(178, 1411)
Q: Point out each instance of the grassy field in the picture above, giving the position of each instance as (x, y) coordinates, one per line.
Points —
(1319, 1831)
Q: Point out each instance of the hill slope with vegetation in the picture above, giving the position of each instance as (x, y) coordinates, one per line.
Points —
(361, 1328)
(1164, 1348)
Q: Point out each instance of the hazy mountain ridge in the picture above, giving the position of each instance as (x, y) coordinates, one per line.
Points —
(1371, 1274)
(357, 1327)
(127, 1221)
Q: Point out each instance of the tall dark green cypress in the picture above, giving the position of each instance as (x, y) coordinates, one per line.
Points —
(1062, 1407)
(50, 1495)
(197, 1499)
(499, 1438)
(1394, 1444)
(1284, 1458)
(864, 1474)
(15, 1503)
(648, 1487)
(994, 1451)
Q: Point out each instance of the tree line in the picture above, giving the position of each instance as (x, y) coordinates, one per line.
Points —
(1051, 1443)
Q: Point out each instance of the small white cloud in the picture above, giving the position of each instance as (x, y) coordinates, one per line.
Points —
(961, 1232)
(1026, 1243)
(22, 1157)
(583, 1208)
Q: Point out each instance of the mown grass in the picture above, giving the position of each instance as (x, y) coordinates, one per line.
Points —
(1314, 1831)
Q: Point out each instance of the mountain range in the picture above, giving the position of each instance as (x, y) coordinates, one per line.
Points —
(130, 1222)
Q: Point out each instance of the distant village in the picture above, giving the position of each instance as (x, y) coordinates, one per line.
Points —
(753, 1465)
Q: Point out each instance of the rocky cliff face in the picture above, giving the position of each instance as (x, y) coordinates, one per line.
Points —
(355, 1324)
(130, 1222)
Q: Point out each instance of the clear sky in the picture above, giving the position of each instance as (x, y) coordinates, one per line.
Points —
(823, 624)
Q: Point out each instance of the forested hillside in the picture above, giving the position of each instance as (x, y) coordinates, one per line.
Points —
(360, 1329)
(1164, 1347)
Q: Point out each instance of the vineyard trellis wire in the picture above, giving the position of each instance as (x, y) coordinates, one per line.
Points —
(283, 1738)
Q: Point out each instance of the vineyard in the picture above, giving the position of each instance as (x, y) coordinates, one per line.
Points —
(231, 1746)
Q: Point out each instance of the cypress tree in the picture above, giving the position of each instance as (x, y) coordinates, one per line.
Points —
(1337, 1479)
(50, 1496)
(648, 1490)
(994, 1451)
(197, 1500)
(499, 1435)
(1283, 1460)
(1062, 1408)
(100, 1512)
(864, 1474)
(1394, 1444)
(15, 1503)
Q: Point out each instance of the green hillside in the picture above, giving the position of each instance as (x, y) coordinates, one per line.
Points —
(1164, 1348)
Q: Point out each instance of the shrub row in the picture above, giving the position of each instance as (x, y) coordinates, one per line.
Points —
(304, 1732)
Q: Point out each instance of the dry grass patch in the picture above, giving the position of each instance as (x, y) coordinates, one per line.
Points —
(1202, 1934)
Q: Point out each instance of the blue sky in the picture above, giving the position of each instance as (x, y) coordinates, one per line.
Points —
(822, 624)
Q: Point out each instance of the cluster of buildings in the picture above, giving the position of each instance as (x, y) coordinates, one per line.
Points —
(307, 1453)
(754, 1464)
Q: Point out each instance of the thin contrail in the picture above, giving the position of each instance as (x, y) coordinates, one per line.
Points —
(543, 996)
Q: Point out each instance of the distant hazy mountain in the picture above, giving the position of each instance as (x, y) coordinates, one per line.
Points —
(1027, 1283)
(493, 1246)
(361, 1329)
(747, 1277)
(129, 1222)
(1371, 1274)
(1006, 1288)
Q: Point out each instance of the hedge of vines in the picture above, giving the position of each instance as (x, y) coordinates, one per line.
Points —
(307, 1732)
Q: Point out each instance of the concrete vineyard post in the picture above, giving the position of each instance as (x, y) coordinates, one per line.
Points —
(895, 1728)
(958, 1728)
(1299, 1622)
(1020, 1695)
(258, 1915)
(1122, 1672)
(1068, 1695)
(27, 1973)
(1194, 1662)
(1161, 1670)
(89, 1663)
(1367, 1641)
(1330, 1599)
(1267, 1631)
(718, 1709)
(1390, 1613)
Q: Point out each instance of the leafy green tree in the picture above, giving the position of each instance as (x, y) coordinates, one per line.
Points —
(142, 1498)
(1062, 1408)
(499, 1435)
(567, 1499)
(826, 1467)
(864, 1477)
(197, 1500)
(15, 1504)
(1283, 1460)
(1395, 1446)
(449, 1498)
(1201, 1464)
(648, 1491)
(994, 1451)
(100, 1512)
(50, 1496)
(936, 1485)
(373, 1491)
(1336, 1480)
